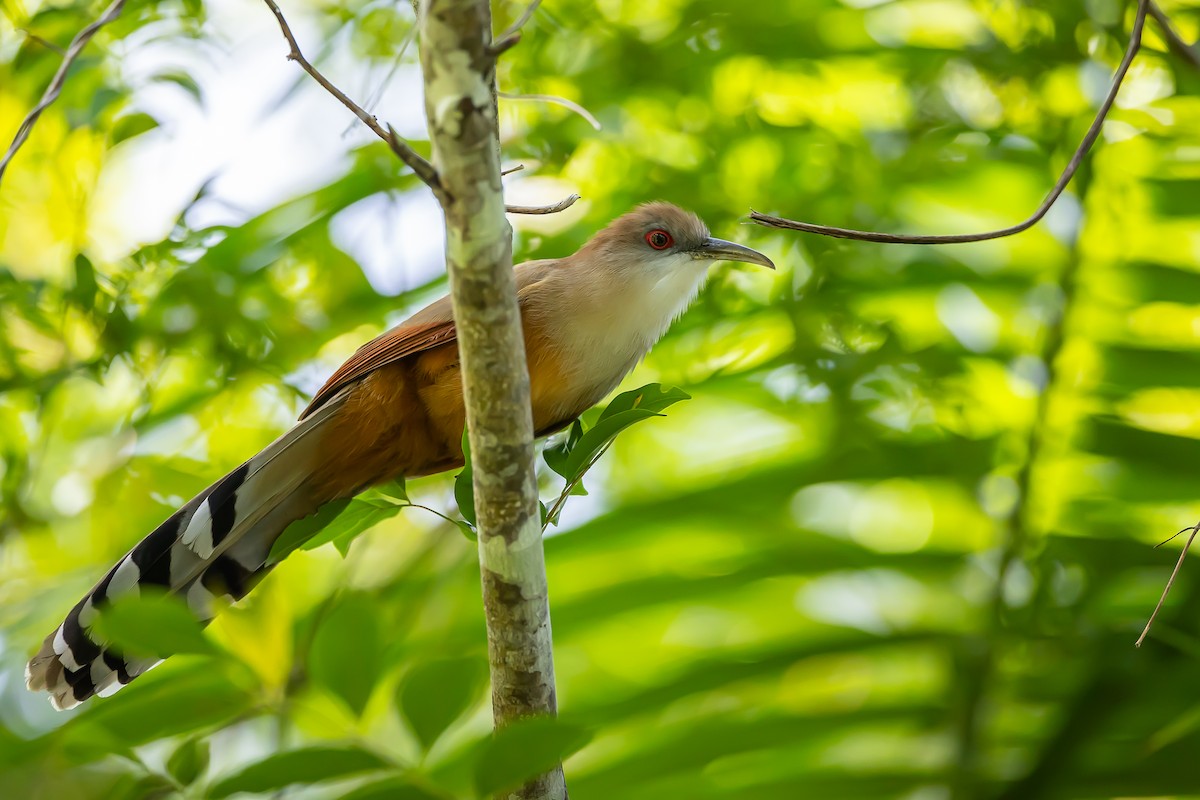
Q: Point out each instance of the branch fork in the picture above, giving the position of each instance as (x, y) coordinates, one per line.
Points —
(419, 165)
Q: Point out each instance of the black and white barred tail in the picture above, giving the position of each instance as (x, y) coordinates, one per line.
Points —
(215, 546)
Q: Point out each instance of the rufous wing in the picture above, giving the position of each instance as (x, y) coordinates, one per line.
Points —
(384, 349)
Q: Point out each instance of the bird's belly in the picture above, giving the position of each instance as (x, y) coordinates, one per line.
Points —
(568, 378)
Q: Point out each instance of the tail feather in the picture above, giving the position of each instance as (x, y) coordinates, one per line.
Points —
(215, 546)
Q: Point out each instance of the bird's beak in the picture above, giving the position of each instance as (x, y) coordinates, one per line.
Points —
(721, 250)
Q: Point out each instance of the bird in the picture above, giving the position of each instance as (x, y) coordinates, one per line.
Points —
(395, 409)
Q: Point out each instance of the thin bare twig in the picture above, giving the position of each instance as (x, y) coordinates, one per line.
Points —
(1170, 582)
(55, 88)
(1135, 42)
(558, 101)
(1175, 42)
(511, 170)
(561, 205)
(33, 37)
(1173, 536)
(423, 169)
(515, 28)
(374, 97)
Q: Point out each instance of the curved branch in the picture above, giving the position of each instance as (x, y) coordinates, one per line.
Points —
(60, 77)
(423, 169)
(1175, 42)
(1135, 42)
(570, 105)
(561, 205)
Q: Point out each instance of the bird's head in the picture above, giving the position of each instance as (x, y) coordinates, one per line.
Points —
(663, 237)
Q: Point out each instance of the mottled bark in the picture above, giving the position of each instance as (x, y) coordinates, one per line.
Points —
(459, 89)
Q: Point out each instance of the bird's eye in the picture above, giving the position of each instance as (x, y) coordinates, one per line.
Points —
(659, 239)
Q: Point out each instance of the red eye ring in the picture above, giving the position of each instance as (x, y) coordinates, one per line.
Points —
(659, 239)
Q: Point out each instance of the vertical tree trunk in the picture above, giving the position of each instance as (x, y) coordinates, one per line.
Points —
(459, 90)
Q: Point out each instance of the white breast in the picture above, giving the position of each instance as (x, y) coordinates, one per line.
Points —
(614, 323)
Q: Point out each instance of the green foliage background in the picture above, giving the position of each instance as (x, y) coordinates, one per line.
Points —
(898, 544)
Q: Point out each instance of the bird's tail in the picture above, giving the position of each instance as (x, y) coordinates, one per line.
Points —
(214, 546)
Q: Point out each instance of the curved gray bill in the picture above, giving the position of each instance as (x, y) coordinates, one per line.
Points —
(721, 250)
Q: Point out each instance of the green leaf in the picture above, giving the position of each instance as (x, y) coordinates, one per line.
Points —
(524, 750)
(467, 530)
(85, 288)
(189, 761)
(357, 519)
(156, 625)
(166, 702)
(396, 490)
(147, 787)
(436, 693)
(557, 456)
(304, 529)
(651, 397)
(464, 489)
(131, 125)
(390, 789)
(340, 522)
(571, 460)
(307, 765)
(347, 650)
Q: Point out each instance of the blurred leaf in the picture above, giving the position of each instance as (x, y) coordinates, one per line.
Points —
(148, 787)
(155, 706)
(189, 761)
(436, 693)
(390, 789)
(182, 80)
(525, 749)
(152, 625)
(130, 125)
(347, 650)
(85, 288)
(307, 765)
